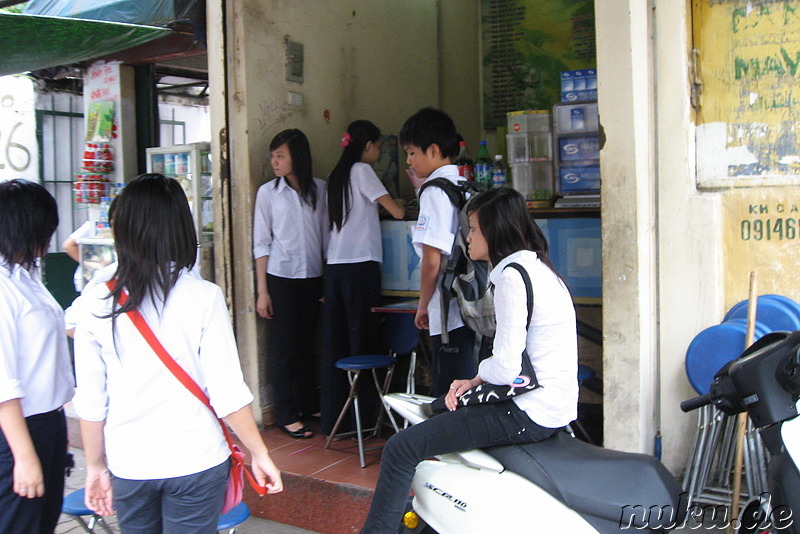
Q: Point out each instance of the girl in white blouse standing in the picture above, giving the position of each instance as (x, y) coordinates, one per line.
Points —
(355, 252)
(290, 235)
(153, 451)
(35, 370)
(501, 231)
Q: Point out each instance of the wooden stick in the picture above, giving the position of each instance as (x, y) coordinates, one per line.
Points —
(741, 419)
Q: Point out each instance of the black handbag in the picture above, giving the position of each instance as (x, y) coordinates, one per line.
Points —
(486, 393)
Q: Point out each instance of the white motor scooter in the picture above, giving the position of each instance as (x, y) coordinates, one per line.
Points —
(561, 483)
(566, 484)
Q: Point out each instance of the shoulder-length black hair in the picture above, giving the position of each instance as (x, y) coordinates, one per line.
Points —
(507, 225)
(300, 151)
(155, 239)
(361, 132)
(28, 219)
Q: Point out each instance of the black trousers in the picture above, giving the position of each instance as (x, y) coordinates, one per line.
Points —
(349, 328)
(19, 515)
(295, 305)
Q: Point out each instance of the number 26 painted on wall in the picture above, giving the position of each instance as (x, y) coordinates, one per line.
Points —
(14, 153)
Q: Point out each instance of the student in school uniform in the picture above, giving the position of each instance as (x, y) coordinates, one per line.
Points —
(35, 369)
(355, 252)
(429, 138)
(290, 235)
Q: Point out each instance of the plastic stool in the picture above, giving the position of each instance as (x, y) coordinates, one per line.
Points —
(235, 517)
(354, 365)
(74, 506)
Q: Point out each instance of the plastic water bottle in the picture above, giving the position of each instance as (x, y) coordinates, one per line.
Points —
(499, 177)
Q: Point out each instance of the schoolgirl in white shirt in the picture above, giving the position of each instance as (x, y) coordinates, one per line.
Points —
(290, 236)
(355, 252)
(154, 453)
(35, 369)
(501, 231)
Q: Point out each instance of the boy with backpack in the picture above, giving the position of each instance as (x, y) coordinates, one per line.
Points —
(429, 138)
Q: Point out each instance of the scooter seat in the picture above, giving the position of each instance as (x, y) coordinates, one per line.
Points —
(611, 485)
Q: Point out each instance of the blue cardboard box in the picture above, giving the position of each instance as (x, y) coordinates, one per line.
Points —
(579, 96)
(579, 148)
(574, 179)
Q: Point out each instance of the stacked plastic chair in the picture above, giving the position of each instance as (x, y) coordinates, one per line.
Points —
(708, 475)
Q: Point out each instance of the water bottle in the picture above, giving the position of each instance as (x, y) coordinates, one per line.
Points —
(499, 178)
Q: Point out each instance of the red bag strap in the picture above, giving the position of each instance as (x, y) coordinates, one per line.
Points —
(183, 377)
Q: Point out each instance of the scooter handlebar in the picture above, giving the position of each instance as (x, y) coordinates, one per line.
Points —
(695, 403)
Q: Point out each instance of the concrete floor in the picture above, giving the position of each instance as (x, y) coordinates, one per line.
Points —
(68, 525)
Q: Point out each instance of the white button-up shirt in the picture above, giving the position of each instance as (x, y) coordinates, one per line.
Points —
(154, 427)
(360, 236)
(551, 339)
(437, 225)
(288, 230)
(34, 359)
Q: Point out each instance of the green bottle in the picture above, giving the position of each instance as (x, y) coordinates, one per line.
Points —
(483, 167)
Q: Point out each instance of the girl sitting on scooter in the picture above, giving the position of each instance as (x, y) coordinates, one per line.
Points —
(502, 232)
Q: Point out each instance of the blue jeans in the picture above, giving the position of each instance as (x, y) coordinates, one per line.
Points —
(469, 427)
(182, 505)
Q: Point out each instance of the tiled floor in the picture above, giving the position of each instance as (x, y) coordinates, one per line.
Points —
(339, 464)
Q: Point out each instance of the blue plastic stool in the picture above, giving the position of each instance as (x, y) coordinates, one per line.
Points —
(235, 517)
(354, 365)
(74, 506)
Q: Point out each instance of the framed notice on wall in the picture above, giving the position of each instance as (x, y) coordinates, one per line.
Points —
(526, 44)
(747, 55)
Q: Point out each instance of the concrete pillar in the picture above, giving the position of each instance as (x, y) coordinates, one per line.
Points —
(625, 95)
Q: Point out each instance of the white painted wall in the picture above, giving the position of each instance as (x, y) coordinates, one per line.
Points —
(19, 153)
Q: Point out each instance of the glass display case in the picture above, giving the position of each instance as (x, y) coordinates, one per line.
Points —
(95, 253)
(191, 166)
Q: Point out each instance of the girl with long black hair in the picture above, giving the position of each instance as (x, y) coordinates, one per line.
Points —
(290, 235)
(35, 369)
(501, 231)
(353, 275)
(153, 451)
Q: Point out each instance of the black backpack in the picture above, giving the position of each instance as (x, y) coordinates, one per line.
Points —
(461, 277)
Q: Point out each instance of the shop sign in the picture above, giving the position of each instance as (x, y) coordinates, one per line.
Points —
(762, 233)
(747, 68)
(19, 155)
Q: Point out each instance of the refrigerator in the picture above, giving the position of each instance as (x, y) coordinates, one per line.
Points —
(191, 165)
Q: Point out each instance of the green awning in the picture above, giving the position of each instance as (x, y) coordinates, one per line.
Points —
(33, 42)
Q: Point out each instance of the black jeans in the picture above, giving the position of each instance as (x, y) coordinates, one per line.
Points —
(349, 328)
(295, 303)
(19, 515)
(469, 427)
